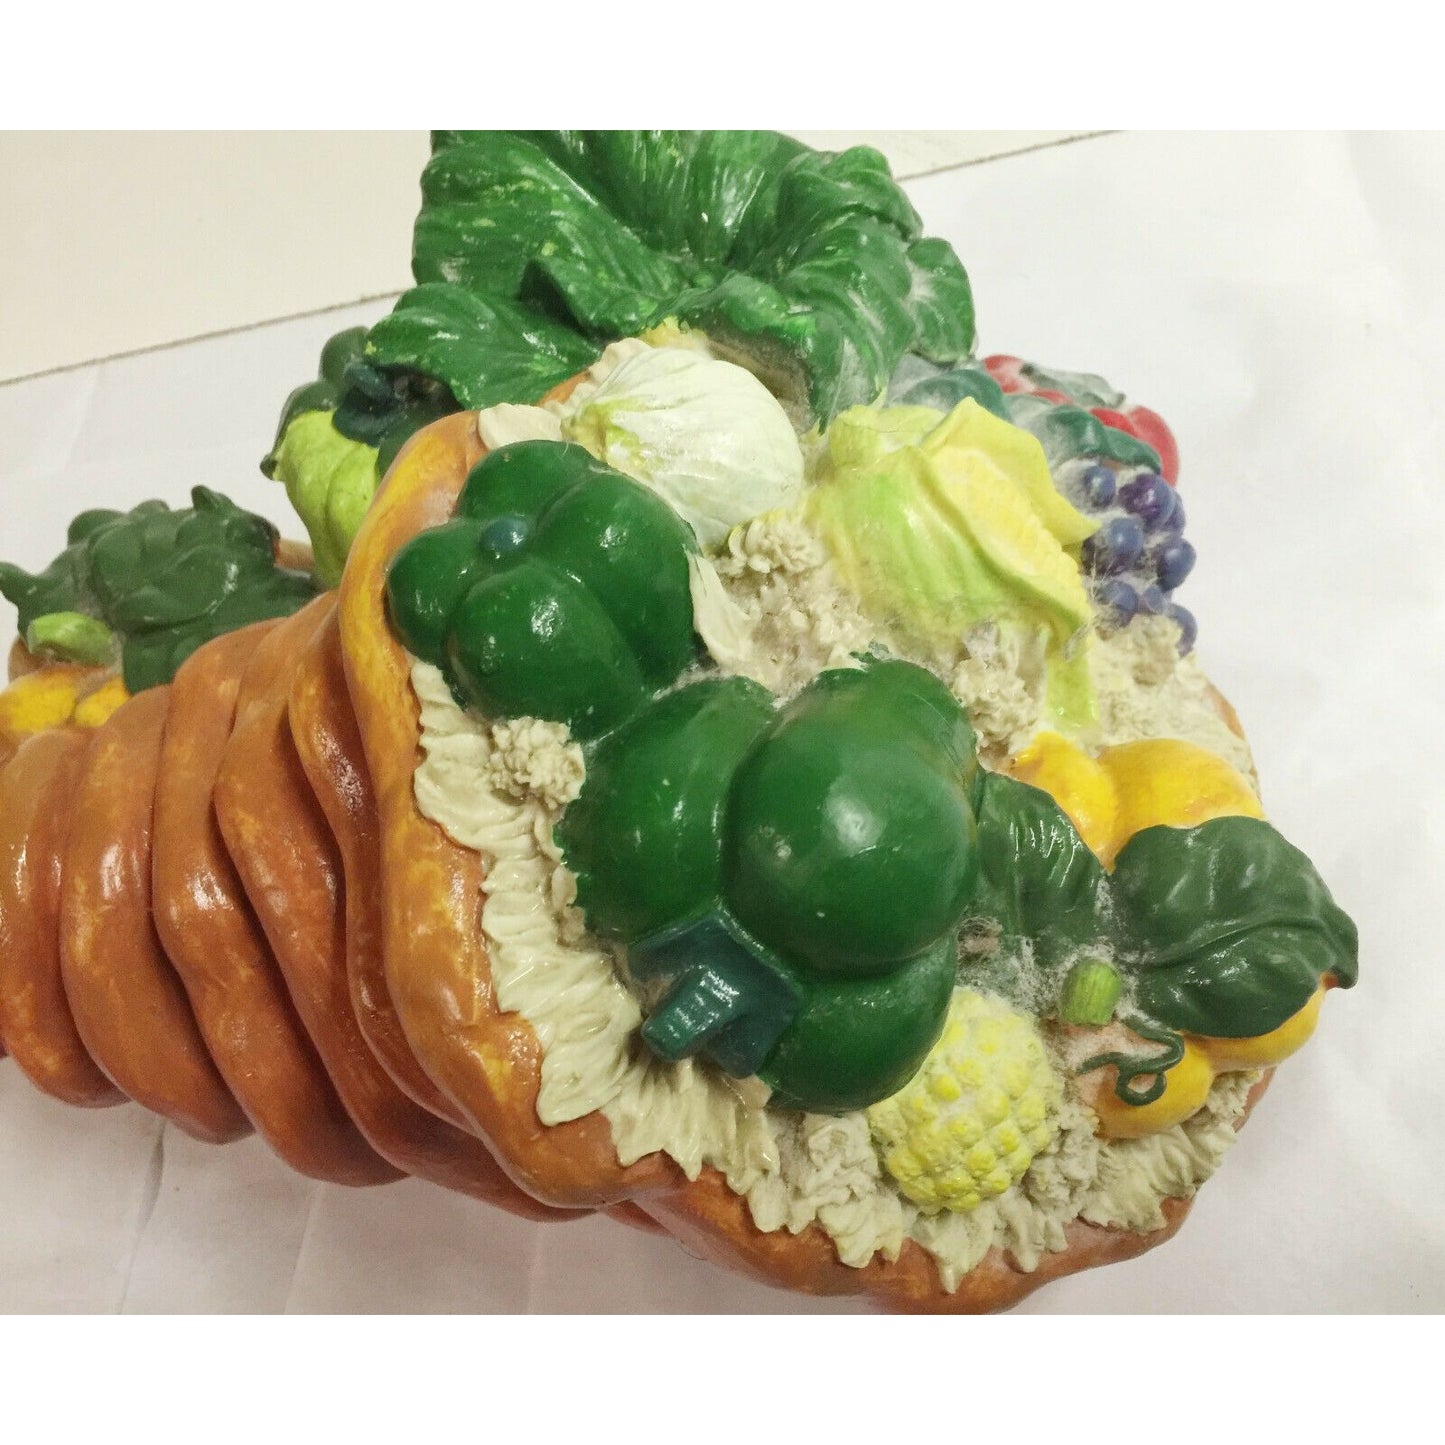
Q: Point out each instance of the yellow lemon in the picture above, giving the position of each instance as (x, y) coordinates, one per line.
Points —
(1265, 1049)
(1171, 782)
(1186, 1087)
(1133, 786)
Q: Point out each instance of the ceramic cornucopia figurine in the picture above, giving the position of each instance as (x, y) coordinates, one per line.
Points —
(730, 757)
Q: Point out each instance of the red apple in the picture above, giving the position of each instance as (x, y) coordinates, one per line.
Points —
(1008, 371)
(1153, 430)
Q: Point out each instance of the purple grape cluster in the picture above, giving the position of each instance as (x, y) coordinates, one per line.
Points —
(1138, 558)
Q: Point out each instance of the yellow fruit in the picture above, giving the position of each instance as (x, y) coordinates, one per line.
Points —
(968, 1125)
(1186, 1087)
(1133, 786)
(96, 707)
(41, 700)
(1079, 784)
(1171, 782)
(1265, 1049)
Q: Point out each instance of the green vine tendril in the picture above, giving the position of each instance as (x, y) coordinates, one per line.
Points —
(1134, 1066)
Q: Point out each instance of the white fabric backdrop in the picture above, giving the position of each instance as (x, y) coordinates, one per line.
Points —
(1276, 299)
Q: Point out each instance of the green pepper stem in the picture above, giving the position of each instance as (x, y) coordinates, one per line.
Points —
(729, 998)
(697, 1007)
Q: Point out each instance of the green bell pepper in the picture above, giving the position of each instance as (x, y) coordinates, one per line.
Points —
(794, 879)
(559, 590)
(645, 831)
(852, 842)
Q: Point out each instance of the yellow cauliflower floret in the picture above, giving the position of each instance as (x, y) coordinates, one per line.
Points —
(969, 1123)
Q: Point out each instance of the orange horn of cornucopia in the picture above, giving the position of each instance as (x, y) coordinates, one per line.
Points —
(224, 904)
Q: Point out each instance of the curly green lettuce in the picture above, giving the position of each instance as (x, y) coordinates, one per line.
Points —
(814, 261)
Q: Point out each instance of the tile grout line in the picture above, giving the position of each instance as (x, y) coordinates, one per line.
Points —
(200, 336)
(1043, 145)
(388, 295)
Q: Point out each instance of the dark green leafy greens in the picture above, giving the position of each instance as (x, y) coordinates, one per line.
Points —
(164, 581)
(491, 350)
(1066, 431)
(534, 249)
(917, 382)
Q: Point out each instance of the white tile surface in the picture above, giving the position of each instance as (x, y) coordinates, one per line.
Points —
(1275, 298)
(110, 242)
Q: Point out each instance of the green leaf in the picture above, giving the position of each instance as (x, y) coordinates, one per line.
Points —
(1037, 879)
(486, 349)
(817, 192)
(165, 581)
(653, 180)
(61, 587)
(1083, 388)
(1232, 927)
(919, 383)
(1226, 929)
(502, 220)
(1066, 432)
(941, 301)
